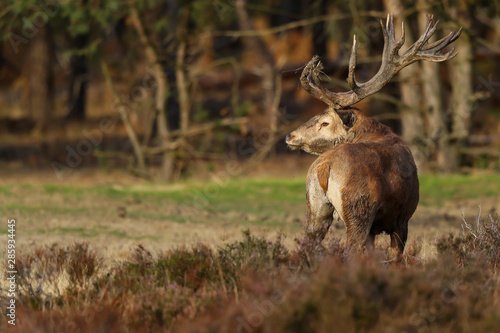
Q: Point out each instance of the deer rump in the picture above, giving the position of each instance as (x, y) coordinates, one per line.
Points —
(365, 173)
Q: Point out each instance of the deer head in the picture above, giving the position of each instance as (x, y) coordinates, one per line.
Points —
(323, 132)
(340, 124)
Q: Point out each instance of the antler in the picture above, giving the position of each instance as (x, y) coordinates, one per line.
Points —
(392, 63)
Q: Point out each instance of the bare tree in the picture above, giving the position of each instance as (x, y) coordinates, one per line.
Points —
(437, 133)
(460, 104)
(40, 94)
(167, 164)
(271, 80)
(125, 117)
(412, 122)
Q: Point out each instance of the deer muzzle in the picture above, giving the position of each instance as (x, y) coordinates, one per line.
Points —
(292, 142)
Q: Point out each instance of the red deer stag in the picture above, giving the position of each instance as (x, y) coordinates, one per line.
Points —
(365, 173)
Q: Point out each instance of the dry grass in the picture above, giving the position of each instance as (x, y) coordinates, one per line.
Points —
(115, 212)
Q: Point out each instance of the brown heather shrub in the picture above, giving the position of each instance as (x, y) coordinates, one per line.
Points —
(78, 318)
(144, 293)
(257, 285)
(252, 252)
(358, 295)
(47, 273)
(478, 242)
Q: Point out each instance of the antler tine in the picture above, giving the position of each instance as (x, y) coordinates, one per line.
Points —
(390, 26)
(392, 63)
(438, 57)
(402, 39)
(351, 78)
(422, 39)
(389, 33)
(432, 30)
(443, 42)
(420, 50)
(305, 72)
(311, 83)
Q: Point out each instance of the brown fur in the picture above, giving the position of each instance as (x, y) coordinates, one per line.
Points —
(372, 179)
(368, 175)
(323, 173)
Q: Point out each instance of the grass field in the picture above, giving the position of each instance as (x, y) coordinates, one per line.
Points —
(112, 253)
(116, 213)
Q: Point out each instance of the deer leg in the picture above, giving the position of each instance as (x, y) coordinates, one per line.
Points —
(358, 235)
(398, 240)
(370, 241)
(319, 221)
(319, 214)
(358, 217)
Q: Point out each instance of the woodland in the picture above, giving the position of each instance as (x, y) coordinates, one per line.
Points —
(157, 86)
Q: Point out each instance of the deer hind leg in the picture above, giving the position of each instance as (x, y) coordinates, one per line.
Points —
(318, 222)
(358, 235)
(358, 217)
(319, 214)
(398, 240)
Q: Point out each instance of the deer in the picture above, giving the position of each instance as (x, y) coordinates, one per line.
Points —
(365, 174)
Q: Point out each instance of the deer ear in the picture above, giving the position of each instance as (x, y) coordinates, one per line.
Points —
(348, 118)
(335, 115)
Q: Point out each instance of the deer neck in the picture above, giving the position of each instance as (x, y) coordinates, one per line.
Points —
(370, 130)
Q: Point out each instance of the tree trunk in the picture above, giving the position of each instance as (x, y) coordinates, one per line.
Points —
(180, 70)
(167, 165)
(182, 86)
(412, 123)
(270, 101)
(437, 134)
(461, 86)
(40, 78)
(78, 80)
(124, 114)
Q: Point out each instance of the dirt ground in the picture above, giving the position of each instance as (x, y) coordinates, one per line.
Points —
(115, 211)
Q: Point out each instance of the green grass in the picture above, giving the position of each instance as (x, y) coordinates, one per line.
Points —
(4, 190)
(237, 189)
(437, 189)
(259, 196)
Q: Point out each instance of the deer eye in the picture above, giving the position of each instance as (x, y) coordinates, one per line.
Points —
(324, 124)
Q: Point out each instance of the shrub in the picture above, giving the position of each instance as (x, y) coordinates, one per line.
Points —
(46, 273)
(479, 242)
(360, 294)
(256, 284)
(254, 252)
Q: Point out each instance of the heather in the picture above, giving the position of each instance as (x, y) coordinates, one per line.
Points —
(257, 284)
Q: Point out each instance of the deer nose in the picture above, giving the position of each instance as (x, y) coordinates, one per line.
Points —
(289, 137)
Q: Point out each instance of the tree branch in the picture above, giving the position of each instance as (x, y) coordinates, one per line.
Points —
(126, 121)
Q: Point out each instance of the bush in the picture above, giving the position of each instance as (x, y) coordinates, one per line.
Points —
(479, 242)
(47, 273)
(254, 252)
(256, 284)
